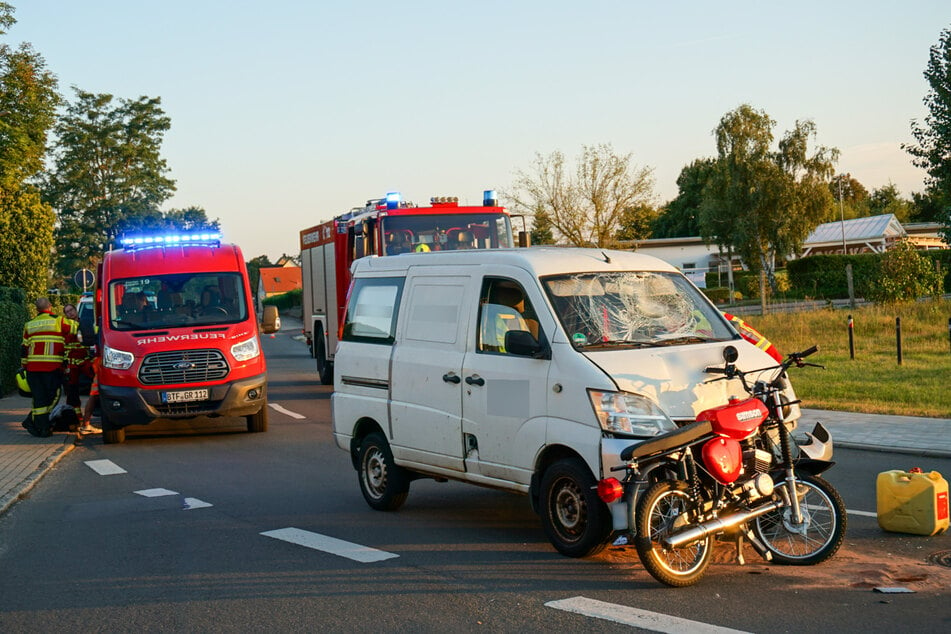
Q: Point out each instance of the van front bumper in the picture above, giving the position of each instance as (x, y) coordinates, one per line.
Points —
(122, 406)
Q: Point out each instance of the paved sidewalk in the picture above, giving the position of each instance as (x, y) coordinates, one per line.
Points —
(24, 459)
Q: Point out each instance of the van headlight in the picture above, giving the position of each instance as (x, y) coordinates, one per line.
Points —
(628, 413)
(246, 350)
(116, 359)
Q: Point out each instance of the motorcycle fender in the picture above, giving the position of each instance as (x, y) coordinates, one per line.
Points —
(818, 444)
(813, 467)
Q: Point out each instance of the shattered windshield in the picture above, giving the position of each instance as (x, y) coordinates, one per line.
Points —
(633, 309)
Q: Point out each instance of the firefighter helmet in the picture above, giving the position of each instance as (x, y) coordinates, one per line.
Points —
(22, 386)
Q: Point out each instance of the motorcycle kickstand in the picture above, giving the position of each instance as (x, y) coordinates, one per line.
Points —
(748, 535)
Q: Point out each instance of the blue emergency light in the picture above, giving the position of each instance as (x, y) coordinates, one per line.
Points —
(393, 200)
(489, 198)
(173, 239)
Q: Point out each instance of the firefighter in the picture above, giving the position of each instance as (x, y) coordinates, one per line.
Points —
(78, 364)
(42, 354)
(754, 337)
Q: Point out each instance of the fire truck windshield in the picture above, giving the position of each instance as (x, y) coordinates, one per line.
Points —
(445, 232)
(180, 299)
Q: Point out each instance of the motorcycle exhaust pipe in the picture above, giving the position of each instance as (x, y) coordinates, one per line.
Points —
(699, 531)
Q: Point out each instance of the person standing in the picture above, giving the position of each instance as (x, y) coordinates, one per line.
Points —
(78, 364)
(42, 353)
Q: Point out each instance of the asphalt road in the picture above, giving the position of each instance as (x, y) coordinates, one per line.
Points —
(189, 532)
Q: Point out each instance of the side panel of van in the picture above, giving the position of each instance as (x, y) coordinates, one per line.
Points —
(427, 382)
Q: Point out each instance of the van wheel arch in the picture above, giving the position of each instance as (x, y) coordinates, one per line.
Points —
(363, 428)
(548, 457)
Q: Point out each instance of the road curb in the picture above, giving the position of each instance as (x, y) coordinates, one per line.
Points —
(922, 453)
(24, 487)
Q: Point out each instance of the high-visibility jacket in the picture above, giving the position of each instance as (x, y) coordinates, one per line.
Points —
(44, 342)
(76, 351)
(754, 337)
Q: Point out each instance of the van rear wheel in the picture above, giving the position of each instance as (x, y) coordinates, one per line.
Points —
(384, 485)
(325, 368)
(575, 519)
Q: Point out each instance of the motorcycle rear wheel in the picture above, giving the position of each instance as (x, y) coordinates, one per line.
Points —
(818, 537)
(666, 508)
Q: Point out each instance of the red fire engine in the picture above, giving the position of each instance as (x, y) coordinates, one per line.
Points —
(383, 227)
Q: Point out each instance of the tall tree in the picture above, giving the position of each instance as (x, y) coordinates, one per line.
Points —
(933, 150)
(190, 219)
(887, 200)
(585, 206)
(681, 216)
(761, 203)
(28, 101)
(107, 172)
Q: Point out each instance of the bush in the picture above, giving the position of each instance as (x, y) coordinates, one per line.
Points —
(287, 300)
(905, 276)
(823, 276)
(721, 294)
(13, 315)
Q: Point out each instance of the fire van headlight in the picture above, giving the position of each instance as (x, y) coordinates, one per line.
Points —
(627, 413)
(246, 350)
(116, 359)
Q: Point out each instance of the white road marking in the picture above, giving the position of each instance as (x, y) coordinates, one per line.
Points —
(287, 412)
(155, 493)
(651, 621)
(105, 467)
(194, 503)
(862, 513)
(356, 552)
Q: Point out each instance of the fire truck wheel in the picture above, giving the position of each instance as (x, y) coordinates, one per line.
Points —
(111, 435)
(325, 369)
(258, 422)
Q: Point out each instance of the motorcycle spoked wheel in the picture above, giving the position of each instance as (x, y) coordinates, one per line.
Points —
(666, 508)
(820, 534)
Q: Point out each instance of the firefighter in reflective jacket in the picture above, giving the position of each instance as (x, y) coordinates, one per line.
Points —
(78, 363)
(42, 354)
(754, 337)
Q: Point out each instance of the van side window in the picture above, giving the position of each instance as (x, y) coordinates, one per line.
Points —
(503, 307)
(371, 313)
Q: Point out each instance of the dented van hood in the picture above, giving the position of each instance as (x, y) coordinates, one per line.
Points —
(674, 378)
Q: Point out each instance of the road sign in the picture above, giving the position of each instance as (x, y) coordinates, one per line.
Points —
(84, 279)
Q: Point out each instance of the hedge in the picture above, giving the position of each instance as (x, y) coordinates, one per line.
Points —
(287, 300)
(13, 314)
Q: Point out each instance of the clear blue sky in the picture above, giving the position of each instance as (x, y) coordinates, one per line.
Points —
(286, 113)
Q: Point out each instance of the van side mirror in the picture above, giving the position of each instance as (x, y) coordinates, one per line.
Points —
(271, 322)
(522, 343)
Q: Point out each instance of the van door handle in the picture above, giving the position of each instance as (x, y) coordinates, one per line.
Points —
(475, 379)
(451, 378)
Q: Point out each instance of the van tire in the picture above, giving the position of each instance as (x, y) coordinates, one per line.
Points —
(575, 519)
(384, 485)
(111, 435)
(257, 422)
(325, 368)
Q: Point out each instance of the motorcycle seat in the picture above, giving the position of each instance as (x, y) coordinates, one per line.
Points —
(671, 440)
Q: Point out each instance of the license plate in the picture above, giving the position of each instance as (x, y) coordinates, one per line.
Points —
(185, 396)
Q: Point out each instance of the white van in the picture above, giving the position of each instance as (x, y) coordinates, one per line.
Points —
(528, 370)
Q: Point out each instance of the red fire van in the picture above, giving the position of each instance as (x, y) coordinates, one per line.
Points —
(178, 334)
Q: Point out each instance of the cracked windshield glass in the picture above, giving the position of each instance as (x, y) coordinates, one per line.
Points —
(633, 309)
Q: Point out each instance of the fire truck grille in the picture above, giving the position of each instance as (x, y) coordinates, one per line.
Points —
(183, 366)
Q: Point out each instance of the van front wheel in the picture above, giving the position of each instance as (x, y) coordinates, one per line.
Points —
(576, 521)
(384, 484)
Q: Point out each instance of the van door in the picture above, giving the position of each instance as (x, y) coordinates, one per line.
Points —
(505, 394)
(426, 384)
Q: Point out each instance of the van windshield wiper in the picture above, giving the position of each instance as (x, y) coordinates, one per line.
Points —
(678, 341)
(616, 343)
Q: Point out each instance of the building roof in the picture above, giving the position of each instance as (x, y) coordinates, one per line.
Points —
(856, 230)
(280, 279)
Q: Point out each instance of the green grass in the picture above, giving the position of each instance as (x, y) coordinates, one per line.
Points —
(873, 382)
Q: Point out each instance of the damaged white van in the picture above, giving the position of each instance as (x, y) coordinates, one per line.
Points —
(528, 370)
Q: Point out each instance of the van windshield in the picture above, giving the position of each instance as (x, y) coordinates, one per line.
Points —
(633, 309)
(180, 299)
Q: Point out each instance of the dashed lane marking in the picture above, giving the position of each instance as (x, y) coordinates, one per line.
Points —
(650, 621)
(155, 493)
(286, 412)
(195, 503)
(187, 503)
(105, 467)
(332, 545)
(862, 513)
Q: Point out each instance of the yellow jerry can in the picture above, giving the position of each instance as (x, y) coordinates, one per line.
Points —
(912, 502)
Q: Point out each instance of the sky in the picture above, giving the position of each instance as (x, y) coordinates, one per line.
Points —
(287, 113)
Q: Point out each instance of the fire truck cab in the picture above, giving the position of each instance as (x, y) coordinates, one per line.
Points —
(178, 333)
(384, 227)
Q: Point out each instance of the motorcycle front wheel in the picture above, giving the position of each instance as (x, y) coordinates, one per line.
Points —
(666, 508)
(819, 535)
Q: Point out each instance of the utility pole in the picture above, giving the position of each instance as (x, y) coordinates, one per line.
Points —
(842, 212)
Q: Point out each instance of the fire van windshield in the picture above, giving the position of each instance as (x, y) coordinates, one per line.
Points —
(181, 299)
(446, 232)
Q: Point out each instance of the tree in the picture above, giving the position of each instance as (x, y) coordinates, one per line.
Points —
(28, 101)
(541, 229)
(931, 153)
(107, 173)
(888, 200)
(254, 271)
(905, 276)
(586, 207)
(636, 222)
(759, 203)
(854, 196)
(681, 216)
(190, 220)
